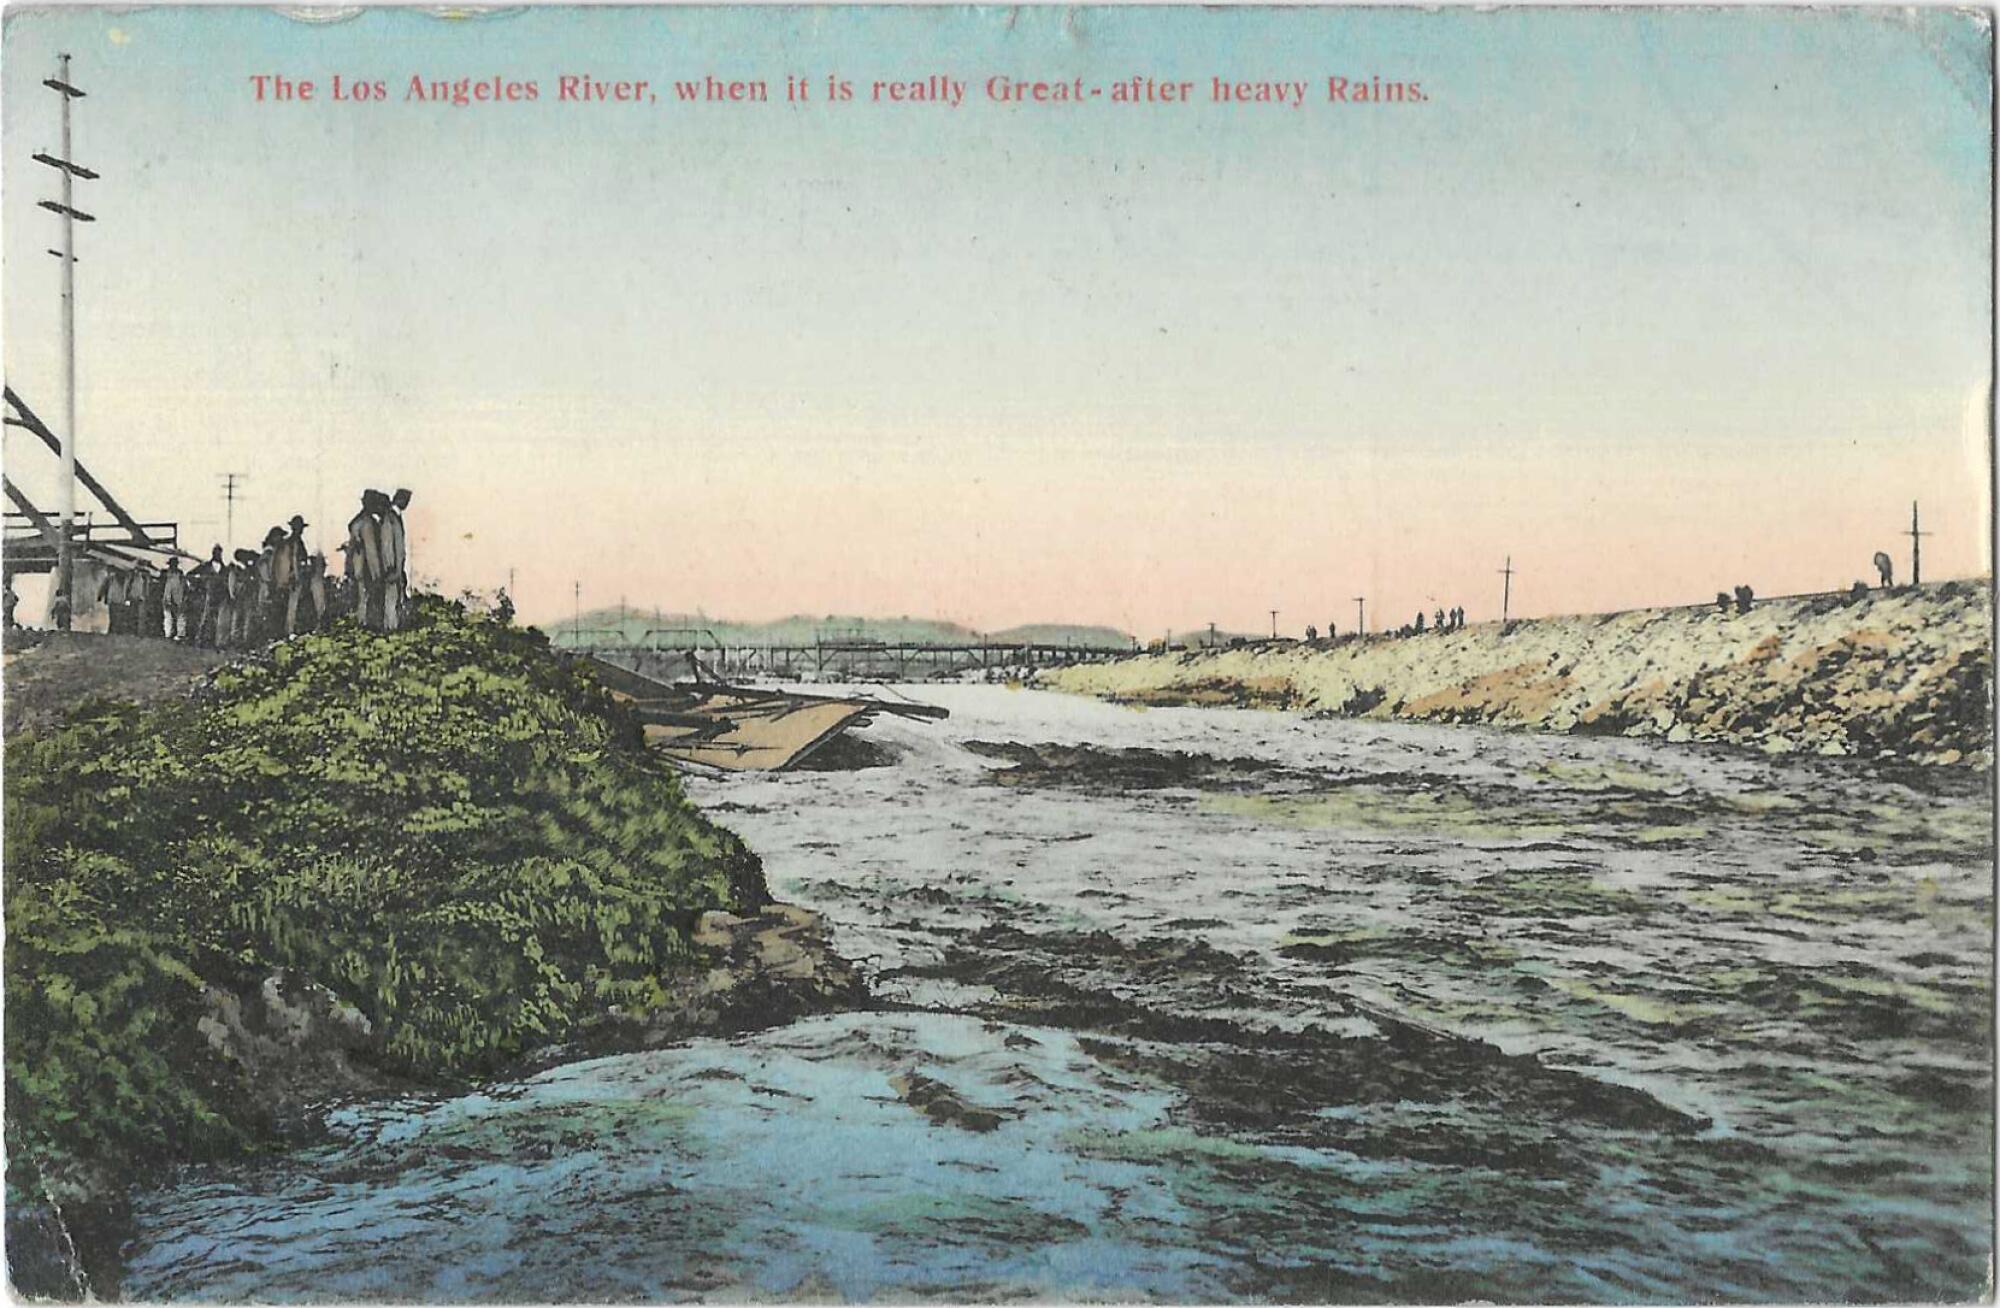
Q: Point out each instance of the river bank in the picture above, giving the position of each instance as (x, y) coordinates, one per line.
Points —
(1898, 675)
(349, 866)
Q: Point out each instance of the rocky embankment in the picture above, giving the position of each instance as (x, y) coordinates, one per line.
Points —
(1900, 675)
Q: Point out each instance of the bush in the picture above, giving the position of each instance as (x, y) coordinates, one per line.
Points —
(448, 825)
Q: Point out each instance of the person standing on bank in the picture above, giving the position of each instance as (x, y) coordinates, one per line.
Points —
(364, 559)
(288, 577)
(174, 600)
(395, 560)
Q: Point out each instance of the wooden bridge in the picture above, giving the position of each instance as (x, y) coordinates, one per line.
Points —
(838, 660)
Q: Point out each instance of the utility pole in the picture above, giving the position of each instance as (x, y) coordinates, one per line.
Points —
(1506, 588)
(1360, 615)
(1274, 624)
(1916, 548)
(1211, 635)
(71, 216)
(576, 621)
(230, 481)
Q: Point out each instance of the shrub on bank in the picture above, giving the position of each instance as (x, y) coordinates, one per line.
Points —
(449, 826)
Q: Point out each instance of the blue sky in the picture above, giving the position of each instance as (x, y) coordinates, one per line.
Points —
(1655, 301)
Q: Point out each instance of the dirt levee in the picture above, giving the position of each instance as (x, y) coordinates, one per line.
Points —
(1901, 675)
(48, 673)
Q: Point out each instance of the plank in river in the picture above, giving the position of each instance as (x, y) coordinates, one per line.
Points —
(767, 735)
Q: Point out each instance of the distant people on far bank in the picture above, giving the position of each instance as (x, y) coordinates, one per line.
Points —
(1885, 568)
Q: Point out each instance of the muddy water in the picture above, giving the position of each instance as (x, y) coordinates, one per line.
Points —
(1204, 1004)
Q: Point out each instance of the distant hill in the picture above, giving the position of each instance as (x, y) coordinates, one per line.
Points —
(1059, 633)
(632, 627)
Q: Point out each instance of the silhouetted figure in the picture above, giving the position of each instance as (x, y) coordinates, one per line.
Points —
(395, 560)
(366, 561)
(214, 591)
(152, 601)
(1885, 568)
(288, 579)
(1418, 626)
(111, 594)
(1722, 601)
(174, 600)
(60, 610)
(313, 594)
(242, 577)
(8, 599)
(1312, 633)
(504, 609)
(1744, 596)
(267, 617)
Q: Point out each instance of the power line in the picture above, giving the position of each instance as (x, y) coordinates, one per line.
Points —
(230, 481)
(1916, 548)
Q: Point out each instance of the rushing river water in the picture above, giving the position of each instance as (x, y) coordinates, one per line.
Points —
(1206, 1004)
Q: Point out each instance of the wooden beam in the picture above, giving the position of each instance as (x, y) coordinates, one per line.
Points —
(35, 515)
(50, 439)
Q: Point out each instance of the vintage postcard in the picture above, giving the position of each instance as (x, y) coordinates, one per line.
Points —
(947, 654)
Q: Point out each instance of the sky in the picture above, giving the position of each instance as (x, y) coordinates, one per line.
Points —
(1650, 303)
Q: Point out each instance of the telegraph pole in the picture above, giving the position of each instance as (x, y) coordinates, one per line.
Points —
(576, 622)
(1211, 635)
(71, 216)
(1360, 615)
(1506, 588)
(1916, 548)
(230, 481)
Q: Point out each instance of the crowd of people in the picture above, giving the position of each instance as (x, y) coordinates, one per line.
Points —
(1442, 620)
(284, 588)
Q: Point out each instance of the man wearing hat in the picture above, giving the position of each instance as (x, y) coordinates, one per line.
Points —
(267, 617)
(288, 575)
(174, 599)
(365, 560)
(205, 596)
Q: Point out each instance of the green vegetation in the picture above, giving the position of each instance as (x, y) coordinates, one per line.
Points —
(448, 826)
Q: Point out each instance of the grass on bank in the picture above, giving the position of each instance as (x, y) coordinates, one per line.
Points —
(449, 826)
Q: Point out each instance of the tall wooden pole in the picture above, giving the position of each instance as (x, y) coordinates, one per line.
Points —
(1916, 548)
(1506, 589)
(69, 348)
(70, 171)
